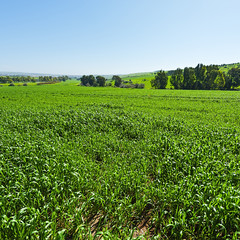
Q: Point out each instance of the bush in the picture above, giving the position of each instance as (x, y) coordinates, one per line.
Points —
(125, 86)
(141, 85)
(25, 84)
(11, 85)
(137, 85)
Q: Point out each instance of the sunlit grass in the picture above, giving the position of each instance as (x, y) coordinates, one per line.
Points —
(84, 162)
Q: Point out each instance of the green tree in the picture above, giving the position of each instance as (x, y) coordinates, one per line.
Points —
(215, 79)
(3, 79)
(88, 80)
(211, 75)
(201, 73)
(28, 79)
(177, 78)
(101, 81)
(118, 80)
(84, 80)
(219, 81)
(91, 80)
(234, 75)
(9, 79)
(160, 81)
(189, 81)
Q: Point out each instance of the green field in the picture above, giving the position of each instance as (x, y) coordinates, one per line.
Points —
(110, 163)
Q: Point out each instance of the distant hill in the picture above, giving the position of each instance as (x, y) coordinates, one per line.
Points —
(27, 74)
(222, 67)
(227, 67)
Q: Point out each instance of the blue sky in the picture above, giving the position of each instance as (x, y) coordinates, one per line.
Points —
(116, 36)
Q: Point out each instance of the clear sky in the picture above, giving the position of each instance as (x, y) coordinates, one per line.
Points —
(116, 36)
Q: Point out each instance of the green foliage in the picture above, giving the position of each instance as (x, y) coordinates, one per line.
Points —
(234, 75)
(219, 80)
(160, 81)
(51, 79)
(140, 86)
(16, 79)
(205, 77)
(177, 79)
(88, 80)
(189, 81)
(118, 80)
(101, 81)
(28, 79)
(195, 78)
(200, 73)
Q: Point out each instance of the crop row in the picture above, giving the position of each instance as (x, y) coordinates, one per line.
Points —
(109, 172)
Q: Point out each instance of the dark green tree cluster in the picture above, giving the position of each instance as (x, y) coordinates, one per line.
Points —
(160, 80)
(53, 79)
(90, 80)
(62, 78)
(205, 78)
(136, 85)
(101, 81)
(233, 78)
(25, 79)
(118, 80)
(16, 79)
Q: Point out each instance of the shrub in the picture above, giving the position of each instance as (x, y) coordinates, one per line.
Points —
(141, 85)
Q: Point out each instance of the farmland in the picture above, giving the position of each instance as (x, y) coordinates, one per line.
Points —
(90, 163)
(144, 78)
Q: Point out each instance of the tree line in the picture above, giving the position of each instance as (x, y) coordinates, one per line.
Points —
(201, 77)
(25, 79)
(99, 81)
(53, 79)
(90, 80)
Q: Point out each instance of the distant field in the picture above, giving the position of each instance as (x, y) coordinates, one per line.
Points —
(110, 163)
(143, 78)
(227, 67)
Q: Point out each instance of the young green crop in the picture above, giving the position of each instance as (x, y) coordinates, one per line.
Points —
(85, 163)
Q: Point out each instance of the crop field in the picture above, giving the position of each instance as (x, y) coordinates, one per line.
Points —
(110, 163)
